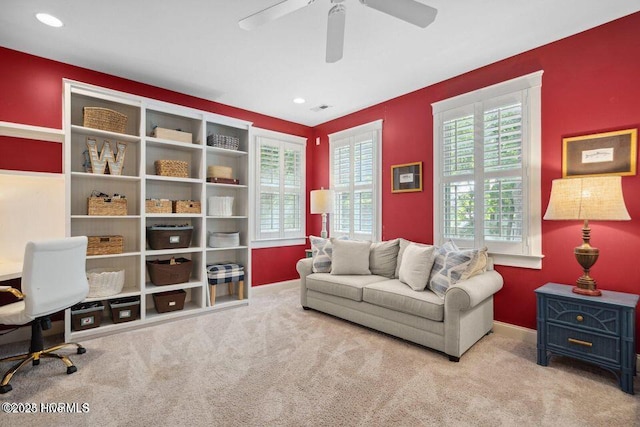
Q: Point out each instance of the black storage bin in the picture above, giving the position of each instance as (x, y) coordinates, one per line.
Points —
(124, 309)
(169, 236)
(86, 315)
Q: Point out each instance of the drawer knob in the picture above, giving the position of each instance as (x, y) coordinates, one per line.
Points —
(580, 342)
(579, 318)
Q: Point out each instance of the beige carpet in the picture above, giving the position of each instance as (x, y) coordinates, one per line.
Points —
(272, 363)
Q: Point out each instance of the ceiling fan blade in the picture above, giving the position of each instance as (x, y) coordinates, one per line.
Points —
(335, 33)
(272, 13)
(410, 11)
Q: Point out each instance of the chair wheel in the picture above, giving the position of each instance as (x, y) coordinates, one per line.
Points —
(5, 388)
(71, 369)
(81, 350)
(35, 362)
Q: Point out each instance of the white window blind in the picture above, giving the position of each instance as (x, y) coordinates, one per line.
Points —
(355, 180)
(280, 187)
(487, 169)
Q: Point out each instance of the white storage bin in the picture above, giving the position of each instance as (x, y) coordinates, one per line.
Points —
(220, 206)
(224, 240)
(105, 282)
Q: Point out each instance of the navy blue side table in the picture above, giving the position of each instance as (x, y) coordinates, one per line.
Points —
(599, 330)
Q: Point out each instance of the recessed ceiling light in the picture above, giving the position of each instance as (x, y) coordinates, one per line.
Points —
(299, 100)
(49, 20)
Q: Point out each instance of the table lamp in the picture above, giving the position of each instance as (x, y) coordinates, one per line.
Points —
(322, 203)
(591, 198)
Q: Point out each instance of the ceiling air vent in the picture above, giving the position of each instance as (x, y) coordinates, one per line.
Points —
(320, 107)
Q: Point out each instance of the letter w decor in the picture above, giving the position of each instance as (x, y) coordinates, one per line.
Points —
(106, 159)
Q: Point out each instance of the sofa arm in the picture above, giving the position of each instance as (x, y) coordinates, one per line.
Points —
(304, 267)
(471, 292)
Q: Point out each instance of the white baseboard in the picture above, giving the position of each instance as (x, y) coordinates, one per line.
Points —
(24, 333)
(529, 336)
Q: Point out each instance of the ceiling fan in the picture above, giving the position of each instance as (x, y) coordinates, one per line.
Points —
(410, 11)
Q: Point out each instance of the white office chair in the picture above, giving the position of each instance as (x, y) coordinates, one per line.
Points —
(53, 279)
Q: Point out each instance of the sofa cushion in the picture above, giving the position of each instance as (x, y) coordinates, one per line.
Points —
(350, 257)
(383, 258)
(416, 266)
(341, 286)
(452, 265)
(403, 243)
(395, 295)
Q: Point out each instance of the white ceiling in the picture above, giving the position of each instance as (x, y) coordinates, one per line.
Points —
(196, 46)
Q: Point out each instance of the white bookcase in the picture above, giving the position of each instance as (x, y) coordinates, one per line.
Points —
(139, 182)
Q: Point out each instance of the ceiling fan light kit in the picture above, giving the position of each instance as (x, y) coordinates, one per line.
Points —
(410, 11)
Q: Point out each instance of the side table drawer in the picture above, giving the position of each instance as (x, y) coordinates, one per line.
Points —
(591, 346)
(584, 315)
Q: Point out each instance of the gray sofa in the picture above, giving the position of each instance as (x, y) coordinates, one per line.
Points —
(451, 324)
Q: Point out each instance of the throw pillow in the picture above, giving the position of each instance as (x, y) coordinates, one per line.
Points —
(452, 265)
(416, 266)
(350, 257)
(383, 258)
(403, 245)
(321, 251)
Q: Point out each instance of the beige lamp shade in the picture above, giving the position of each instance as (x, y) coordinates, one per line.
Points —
(591, 198)
(321, 201)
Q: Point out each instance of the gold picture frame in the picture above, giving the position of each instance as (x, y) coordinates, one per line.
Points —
(600, 154)
(406, 177)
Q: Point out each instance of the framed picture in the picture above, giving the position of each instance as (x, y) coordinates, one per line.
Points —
(407, 177)
(609, 153)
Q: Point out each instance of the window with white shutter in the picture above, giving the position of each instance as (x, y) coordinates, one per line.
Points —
(355, 171)
(487, 170)
(279, 189)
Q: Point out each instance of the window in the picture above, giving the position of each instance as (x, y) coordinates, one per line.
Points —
(487, 170)
(279, 189)
(355, 163)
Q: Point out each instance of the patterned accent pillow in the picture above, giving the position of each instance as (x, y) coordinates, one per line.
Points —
(321, 251)
(453, 265)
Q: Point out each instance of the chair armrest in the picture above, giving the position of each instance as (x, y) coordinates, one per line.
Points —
(13, 291)
(304, 267)
(471, 292)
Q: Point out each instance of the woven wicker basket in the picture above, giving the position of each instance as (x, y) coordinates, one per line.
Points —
(186, 206)
(106, 206)
(104, 119)
(223, 141)
(176, 168)
(105, 245)
(157, 206)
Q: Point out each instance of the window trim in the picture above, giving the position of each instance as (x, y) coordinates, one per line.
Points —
(374, 126)
(258, 133)
(532, 155)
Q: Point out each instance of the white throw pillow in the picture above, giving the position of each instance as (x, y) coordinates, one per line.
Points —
(350, 257)
(403, 245)
(416, 266)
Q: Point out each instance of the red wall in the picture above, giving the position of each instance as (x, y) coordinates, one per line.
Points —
(31, 93)
(590, 84)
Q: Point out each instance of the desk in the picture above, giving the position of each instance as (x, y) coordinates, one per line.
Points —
(10, 270)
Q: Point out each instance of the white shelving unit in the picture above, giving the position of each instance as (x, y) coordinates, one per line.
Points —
(139, 182)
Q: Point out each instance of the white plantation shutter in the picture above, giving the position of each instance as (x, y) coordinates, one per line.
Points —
(487, 168)
(355, 179)
(280, 189)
